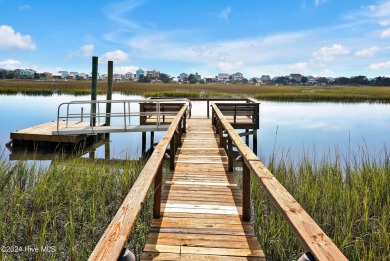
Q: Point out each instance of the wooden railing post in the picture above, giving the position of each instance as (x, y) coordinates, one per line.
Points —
(230, 154)
(157, 192)
(208, 108)
(172, 153)
(220, 131)
(185, 123)
(246, 193)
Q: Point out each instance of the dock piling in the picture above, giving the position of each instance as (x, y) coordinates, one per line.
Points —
(95, 60)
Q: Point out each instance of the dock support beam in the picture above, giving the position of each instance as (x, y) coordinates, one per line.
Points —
(157, 192)
(94, 89)
(151, 139)
(255, 141)
(172, 153)
(246, 193)
(143, 143)
(230, 154)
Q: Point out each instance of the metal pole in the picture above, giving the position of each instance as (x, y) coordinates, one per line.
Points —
(109, 92)
(94, 89)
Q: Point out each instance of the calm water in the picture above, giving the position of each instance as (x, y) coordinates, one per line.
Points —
(295, 127)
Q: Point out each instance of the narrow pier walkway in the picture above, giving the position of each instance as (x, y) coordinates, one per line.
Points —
(201, 206)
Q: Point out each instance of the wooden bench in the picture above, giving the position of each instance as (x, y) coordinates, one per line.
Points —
(168, 111)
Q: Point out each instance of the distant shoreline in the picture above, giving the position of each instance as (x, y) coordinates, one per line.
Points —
(290, 93)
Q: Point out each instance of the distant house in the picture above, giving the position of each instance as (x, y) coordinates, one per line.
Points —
(64, 73)
(72, 75)
(265, 78)
(48, 74)
(154, 75)
(237, 76)
(311, 80)
(138, 73)
(83, 76)
(295, 77)
(223, 77)
(129, 76)
(24, 73)
(104, 77)
(116, 77)
(210, 79)
(183, 77)
(58, 76)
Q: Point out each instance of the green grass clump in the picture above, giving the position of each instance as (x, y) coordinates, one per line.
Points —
(67, 206)
(348, 197)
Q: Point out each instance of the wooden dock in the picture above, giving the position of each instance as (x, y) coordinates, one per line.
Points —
(201, 205)
(43, 133)
(200, 214)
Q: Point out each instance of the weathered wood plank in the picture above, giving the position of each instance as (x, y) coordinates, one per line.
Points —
(201, 206)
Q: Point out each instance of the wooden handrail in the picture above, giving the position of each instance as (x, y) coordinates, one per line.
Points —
(115, 237)
(311, 236)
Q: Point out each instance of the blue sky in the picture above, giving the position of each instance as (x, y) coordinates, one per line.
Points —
(312, 37)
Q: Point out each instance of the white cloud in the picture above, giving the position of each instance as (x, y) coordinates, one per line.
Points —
(125, 69)
(329, 53)
(87, 49)
(380, 66)
(11, 39)
(229, 66)
(297, 67)
(117, 56)
(382, 10)
(119, 13)
(385, 33)
(224, 15)
(10, 64)
(369, 52)
(384, 22)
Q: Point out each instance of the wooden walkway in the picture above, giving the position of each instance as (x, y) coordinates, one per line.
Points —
(201, 206)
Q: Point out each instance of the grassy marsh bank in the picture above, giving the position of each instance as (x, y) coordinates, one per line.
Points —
(266, 92)
(67, 206)
(70, 204)
(348, 197)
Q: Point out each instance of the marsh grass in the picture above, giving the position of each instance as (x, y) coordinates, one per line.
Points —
(347, 195)
(67, 206)
(265, 92)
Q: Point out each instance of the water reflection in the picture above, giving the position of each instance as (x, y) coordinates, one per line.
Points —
(295, 127)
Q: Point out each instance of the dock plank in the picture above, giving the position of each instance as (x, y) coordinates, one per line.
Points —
(201, 206)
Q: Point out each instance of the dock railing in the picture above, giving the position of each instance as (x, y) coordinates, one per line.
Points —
(116, 235)
(311, 236)
(125, 112)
